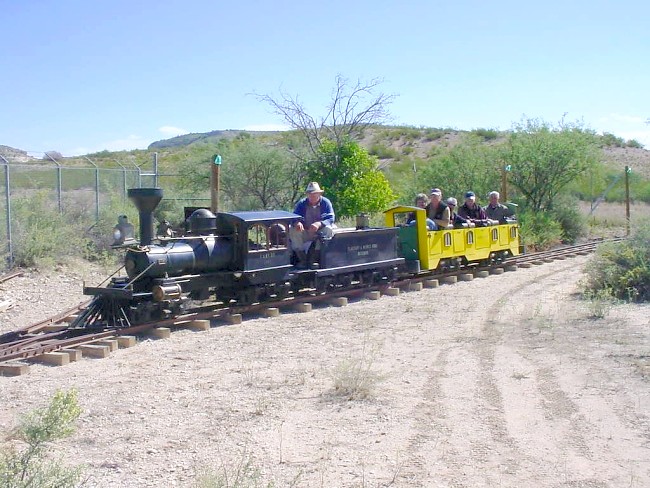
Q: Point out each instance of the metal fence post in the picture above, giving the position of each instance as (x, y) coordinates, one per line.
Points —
(96, 188)
(58, 181)
(10, 258)
(123, 179)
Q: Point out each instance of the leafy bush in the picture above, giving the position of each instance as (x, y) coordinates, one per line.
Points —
(599, 302)
(41, 233)
(539, 231)
(610, 140)
(634, 143)
(566, 212)
(43, 236)
(28, 467)
(486, 134)
(623, 267)
(433, 134)
(382, 151)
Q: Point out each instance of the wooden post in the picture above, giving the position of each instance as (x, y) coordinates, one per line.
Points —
(504, 184)
(627, 200)
(214, 185)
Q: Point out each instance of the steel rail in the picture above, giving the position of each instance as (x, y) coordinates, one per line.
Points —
(30, 341)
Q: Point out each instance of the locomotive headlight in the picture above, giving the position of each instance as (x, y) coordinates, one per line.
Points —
(237, 274)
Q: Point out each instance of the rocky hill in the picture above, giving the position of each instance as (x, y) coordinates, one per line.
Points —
(15, 155)
(392, 144)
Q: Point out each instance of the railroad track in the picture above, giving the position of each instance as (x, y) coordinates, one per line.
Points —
(49, 340)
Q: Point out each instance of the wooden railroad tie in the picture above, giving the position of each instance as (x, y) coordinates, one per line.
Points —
(56, 358)
(391, 291)
(198, 325)
(433, 283)
(160, 332)
(415, 286)
(302, 307)
(233, 318)
(126, 341)
(73, 354)
(95, 351)
(338, 301)
(449, 280)
(482, 274)
(14, 369)
(271, 312)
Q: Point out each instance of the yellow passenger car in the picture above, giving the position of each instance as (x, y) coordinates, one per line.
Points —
(449, 248)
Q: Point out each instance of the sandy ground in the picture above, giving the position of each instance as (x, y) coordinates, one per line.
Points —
(500, 382)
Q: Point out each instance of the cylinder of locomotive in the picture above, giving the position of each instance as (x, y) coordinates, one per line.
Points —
(166, 292)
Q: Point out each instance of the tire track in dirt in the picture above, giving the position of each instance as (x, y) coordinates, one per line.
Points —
(473, 444)
(466, 445)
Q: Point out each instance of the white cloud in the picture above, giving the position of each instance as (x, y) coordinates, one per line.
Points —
(171, 131)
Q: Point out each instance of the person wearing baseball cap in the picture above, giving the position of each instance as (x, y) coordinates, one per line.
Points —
(437, 210)
(317, 215)
(471, 210)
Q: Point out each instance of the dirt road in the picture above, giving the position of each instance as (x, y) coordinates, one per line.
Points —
(503, 381)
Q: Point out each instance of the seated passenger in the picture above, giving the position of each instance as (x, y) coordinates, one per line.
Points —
(457, 220)
(421, 201)
(497, 211)
(437, 210)
(472, 211)
(317, 214)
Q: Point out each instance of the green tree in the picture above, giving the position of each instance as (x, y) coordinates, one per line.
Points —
(545, 159)
(255, 174)
(351, 178)
(470, 165)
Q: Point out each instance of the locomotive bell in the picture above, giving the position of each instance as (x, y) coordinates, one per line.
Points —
(146, 200)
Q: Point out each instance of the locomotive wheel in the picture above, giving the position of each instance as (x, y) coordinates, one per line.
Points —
(247, 296)
(323, 284)
(344, 280)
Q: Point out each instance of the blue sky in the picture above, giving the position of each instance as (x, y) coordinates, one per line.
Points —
(83, 76)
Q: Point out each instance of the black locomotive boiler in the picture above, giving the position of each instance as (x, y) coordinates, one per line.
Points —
(232, 258)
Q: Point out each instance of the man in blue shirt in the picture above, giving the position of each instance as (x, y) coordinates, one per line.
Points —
(318, 215)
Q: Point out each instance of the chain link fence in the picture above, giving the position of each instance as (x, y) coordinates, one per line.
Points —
(77, 187)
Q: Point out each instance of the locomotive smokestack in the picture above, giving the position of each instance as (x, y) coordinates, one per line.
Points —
(146, 200)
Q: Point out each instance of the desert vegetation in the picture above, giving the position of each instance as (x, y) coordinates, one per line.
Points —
(24, 458)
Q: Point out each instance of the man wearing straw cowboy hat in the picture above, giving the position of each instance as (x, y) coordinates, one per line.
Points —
(318, 215)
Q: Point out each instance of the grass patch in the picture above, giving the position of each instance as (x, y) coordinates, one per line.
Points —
(354, 378)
